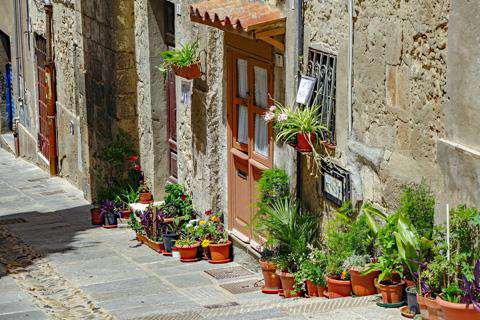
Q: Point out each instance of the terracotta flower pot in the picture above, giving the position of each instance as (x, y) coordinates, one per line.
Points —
(220, 252)
(272, 280)
(423, 306)
(322, 290)
(156, 246)
(141, 238)
(338, 288)
(302, 142)
(312, 289)
(96, 216)
(146, 197)
(189, 72)
(126, 214)
(391, 292)
(457, 311)
(363, 285)
(189, 253)
(435, 312)
(288, 283)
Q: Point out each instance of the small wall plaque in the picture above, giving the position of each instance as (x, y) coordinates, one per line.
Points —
(305, 89)
(335, 183)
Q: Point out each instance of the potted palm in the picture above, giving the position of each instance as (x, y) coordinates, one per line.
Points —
(185, 61)
(300, 127)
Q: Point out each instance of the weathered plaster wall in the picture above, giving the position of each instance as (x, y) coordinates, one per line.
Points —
(459, 152)
(152, 104)
(399, 86)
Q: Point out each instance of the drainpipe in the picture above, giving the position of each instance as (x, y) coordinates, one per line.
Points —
(300, 43)
(51, 93)
(350, 67)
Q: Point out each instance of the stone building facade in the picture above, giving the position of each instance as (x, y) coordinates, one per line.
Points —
(403, 92)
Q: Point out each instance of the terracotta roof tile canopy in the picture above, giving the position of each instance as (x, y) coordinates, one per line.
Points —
(246, 17)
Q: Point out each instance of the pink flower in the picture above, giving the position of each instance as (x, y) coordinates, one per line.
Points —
(269, 116)
(273, 108)
(282, 117)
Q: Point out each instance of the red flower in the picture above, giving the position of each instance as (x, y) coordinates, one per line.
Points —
(184, 197)
(208, 212)
(133, 158)
(138, 167)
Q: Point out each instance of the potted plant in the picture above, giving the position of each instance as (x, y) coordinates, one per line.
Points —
(136, 226)
(127, 196)
(312, 272)
(363, 283)
(272, 280)
(170, 235)
(96, 217)
(185, 61)
(188, 245)
(290, 230)
(144, 194)
(219, 246)
(109, 214)
(300, 127)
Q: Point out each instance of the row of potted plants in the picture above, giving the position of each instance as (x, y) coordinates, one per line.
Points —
(361, 253)
(175, 227)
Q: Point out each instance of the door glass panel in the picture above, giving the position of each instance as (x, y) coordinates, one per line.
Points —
(242, 76)
(242, 134)
(261, 87)
(261, 135)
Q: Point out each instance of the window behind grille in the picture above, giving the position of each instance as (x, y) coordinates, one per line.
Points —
(323, 67)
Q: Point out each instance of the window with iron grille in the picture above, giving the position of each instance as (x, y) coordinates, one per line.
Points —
(323, 67)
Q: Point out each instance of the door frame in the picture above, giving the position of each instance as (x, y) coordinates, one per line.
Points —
(261, 54)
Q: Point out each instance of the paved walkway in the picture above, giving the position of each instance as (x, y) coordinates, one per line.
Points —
(55, 265)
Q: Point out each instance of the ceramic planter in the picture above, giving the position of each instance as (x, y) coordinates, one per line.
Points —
(96, 216)
(391, 292)
(288, 283)
(189, 72)
(111, 221)
(363, 285)
(435, 312)
(338, 288)
(423, 306)
(146, 197)
(169, 239)
(220, 252)
(272, 280)
(189, 253)
(302, 142)
(457, 311)
(412, 301)
(312, 289)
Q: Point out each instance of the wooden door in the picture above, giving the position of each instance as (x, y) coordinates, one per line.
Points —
(43, 130)
(172, 127)
(250, 82)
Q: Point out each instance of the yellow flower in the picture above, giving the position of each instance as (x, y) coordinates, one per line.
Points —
(344, 275)
(202, 222)
(205, 243)
(215, 219)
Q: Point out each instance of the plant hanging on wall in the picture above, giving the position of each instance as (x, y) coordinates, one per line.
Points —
(301, 128)
(185, 61)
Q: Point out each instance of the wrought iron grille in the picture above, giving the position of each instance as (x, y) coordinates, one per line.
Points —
(323, 67)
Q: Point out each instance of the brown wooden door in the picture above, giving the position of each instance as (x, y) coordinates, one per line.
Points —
(251, 143)
(43, 130)
(172, 126)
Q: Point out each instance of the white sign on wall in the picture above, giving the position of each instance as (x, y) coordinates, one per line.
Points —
(305, 89)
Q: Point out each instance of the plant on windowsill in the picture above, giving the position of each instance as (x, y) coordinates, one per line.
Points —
(185, 61)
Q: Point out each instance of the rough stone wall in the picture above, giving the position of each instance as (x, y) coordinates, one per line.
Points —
(201, 126)
(152, 104)
(3, 87)
(399, 87)
(110, 75)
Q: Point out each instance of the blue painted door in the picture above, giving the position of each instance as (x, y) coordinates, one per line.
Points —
(9, 96)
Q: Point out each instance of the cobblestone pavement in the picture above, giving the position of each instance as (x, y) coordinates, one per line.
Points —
(55, 265)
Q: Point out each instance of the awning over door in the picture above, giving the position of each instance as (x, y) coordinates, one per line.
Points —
(255, 20)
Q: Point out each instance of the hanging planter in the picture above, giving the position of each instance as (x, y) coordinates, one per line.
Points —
(304, 142)
(184, 61)
(189, 72)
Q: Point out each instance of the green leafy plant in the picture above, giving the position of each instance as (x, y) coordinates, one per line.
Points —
(390, 267)
(128, 195)
(177, 203)
(312, 268)
(135, 225)
(187, 55)
(357, 262)
(273, 185)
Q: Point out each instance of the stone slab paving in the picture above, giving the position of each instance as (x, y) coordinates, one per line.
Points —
(54, 264)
